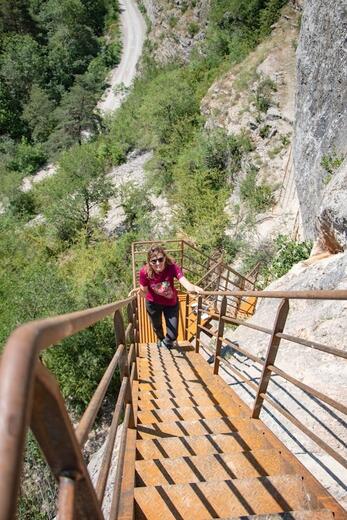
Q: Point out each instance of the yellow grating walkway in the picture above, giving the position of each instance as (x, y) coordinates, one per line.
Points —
(199, 456)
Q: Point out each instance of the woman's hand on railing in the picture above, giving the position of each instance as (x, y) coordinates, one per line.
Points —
(133, 292)
(196, 290)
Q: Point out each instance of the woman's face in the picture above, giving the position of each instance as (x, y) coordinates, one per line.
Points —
(157, 261)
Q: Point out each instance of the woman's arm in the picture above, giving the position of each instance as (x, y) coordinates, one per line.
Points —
(189, 286)
(143, 291)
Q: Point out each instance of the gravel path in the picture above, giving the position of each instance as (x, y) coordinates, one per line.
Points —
(134, 33)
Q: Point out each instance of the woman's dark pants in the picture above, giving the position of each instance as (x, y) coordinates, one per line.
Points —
(155, 311)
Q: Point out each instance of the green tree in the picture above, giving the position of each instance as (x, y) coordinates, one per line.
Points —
(136, 206)
(27, 158)
(15, 17)
(21, 64)
(75, 116)
(69, 201)
(11, 123)
(38, 114)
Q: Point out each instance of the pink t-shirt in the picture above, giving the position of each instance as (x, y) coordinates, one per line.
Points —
(161, 287)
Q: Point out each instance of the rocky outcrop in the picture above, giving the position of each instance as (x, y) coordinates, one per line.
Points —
(331, 224)
(176, 27)
(256, 98)
(321, 122)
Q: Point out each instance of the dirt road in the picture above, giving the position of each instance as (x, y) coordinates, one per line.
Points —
(134, 33)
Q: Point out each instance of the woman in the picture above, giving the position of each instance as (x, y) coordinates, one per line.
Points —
(157, 286)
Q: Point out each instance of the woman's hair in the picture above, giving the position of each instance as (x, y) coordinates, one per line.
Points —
(155, 250)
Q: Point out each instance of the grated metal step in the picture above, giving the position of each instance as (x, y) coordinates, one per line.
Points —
(200, 427)
(174, 447)
(187, 413)
(237, 465)
(223, 498)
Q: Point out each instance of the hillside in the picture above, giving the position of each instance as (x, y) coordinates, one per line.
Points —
(230, 137)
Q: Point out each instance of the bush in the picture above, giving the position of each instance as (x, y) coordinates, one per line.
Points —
(193, 28)
(263, 96)
(258, 197)
(264, 131)
(28, 158)
(331, 163)
(23, 204)
(287, 253)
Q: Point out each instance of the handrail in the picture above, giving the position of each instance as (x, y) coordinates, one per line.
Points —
(293, 295)
(268, 364)
(18, 371)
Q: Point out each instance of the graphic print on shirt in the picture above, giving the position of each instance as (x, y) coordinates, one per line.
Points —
(163, 289)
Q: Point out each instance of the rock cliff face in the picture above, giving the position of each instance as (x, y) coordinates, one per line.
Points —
(321, 123)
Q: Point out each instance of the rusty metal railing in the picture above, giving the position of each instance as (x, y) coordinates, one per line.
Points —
(268, 363)
(29, 395)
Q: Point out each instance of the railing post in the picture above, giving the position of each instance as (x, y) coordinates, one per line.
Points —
(219, 277)
(280, 321)
(241, 286)
(222, 312)
(186, 327)
(198, 323)
(130, 314)
(121, 340)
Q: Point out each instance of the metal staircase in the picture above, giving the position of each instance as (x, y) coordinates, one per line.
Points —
(189, 447)
(200, 455)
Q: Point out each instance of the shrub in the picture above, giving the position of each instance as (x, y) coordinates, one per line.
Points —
(264, 131)
(173, 21)
(193, 28)
(287, 253)
(331, 163)
(258, 196)
(263, 95)
(23, 204)
(28, 158)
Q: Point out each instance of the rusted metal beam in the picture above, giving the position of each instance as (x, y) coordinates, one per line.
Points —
(220, 333)
(207, 331)
(66, 498)
(107, 456)
(294, 339)
(293, 295)
(119, 328)
(119, 471)
(55, 434)
(236, 321)
(238, 373)
(243, 351)
(198, 323)
(16, 387)
(89, 415)
(209, 272)
(314, 345)
(186, 327)
(331, 402)
(141, 242)
(306, 431)
(280, 321)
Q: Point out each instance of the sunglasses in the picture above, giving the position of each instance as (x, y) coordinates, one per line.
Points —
(157, 260)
